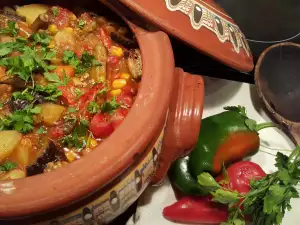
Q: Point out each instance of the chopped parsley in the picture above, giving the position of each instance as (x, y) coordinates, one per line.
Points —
(55, 11)
(102, 92)
(20, 120)
(41, 38)
(72, 110)
(110, 106)
(50, 91)
(81, 24)
(11, 29)
(77, 138)
(8, 166)
(7, 48)
(25, 65)
(80, 65)
(78, 92)
(53, 77)
(41, 130)
(93, 108)
(24, 95)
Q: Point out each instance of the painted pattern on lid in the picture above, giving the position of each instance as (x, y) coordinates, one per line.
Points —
(202, 24)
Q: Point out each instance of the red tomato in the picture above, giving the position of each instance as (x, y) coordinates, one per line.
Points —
(241, 173)
(56, 132)
(118, 117)
(63, 18)
(69, 96)
(113, 60)
(89, 96)
(69, 71)
(129, 90)
(125, 99)
(100, 126)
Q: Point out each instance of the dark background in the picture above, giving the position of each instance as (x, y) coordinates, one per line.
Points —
(263, 20)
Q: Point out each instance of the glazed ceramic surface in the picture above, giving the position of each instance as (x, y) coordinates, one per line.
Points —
(220, 93)
(201, 24)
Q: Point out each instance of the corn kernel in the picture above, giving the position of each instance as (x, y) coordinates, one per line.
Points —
(125, 76)
(53, 28)
(116, 51)
(69, 29)
(52, 44)
(71, 156)
(119, 83)
(116, 92)
(93, 143)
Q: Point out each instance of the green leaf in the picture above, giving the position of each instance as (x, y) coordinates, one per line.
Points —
(81, 24)
(41, 130)
(110, 106)
(102, 92)
(55, 11)
(281, 161)
(284, 176)
(72, 110)
(41, 38)
(11, 29)
(8, 166)
(52, 77)
(93, 108)
(208, 182)
(50, 91)
(225, 197)
(239, 109)
(251, 124)
(23, 95)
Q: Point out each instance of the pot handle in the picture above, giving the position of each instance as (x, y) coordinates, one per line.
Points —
(184, 120)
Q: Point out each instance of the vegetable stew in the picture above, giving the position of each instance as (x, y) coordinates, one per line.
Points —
(67, 81)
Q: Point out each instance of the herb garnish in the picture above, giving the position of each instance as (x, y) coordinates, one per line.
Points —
(55, 11)
(81, 24)
(20, 120)
(41, 38)
(269, 197)
(93, 108)
(80, 65)
(8, 166)
(77, 138)
(110, 106)
(11, 29)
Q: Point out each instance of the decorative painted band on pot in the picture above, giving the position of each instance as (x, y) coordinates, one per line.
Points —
(119, 197)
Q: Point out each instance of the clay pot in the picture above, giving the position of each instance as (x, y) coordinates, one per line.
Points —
(162, 126)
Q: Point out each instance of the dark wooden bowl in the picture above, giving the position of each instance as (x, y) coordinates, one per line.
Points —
(277, 78)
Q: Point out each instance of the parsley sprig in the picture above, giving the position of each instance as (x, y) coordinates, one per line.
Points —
(20, 120)
(11, 29)
(8, 166)
(80, 65)
(268, 199)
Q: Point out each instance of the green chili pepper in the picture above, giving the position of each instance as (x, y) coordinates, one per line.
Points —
(224, 138)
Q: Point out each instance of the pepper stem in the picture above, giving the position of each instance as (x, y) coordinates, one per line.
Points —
(262, 126)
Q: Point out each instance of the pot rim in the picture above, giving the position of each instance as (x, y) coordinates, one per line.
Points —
(49, 191)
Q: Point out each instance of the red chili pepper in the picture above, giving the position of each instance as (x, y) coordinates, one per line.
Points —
(104, 37)
(196, 210)
(69, 96)
(89, 96)
(240, 174)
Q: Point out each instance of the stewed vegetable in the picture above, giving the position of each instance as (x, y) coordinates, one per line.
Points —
(66, 83)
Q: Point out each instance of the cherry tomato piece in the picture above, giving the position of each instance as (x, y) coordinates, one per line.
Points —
(118, 117)
(100, 126)
(125, 99)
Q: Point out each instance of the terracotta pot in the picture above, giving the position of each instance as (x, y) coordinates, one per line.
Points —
(162, 126)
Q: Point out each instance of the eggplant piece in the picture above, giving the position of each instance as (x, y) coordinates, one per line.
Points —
(19, 104)
(51, 154)
(11, 14)
(134, 63)
(41, 22)
(124, 41)
(15, 82)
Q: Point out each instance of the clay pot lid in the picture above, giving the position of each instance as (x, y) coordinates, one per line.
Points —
(200, 23)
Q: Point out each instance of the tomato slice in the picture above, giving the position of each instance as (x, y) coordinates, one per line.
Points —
(104, 37)
(100, 126)
(118, 117)
(125, 99)
(56, 132)
(69, 96)
(89, 96)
